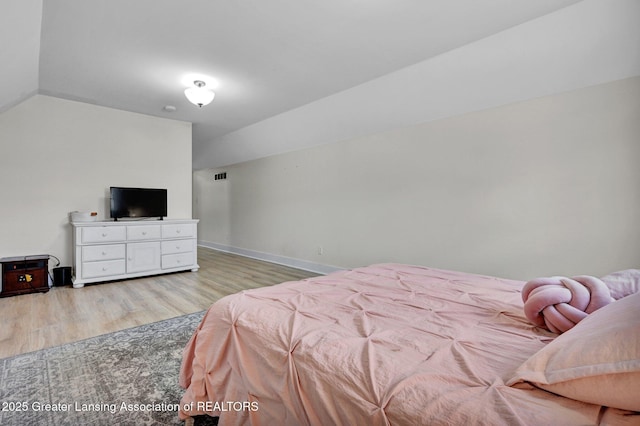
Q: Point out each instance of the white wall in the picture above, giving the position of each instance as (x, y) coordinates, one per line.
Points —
(59, 156)
(545, 186)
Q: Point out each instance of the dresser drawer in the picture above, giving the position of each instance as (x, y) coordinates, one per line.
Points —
(178, 246)
(103, 252)
(102, 234)
(103, 269)
(177, 260)
(182, 230)
(142, 232)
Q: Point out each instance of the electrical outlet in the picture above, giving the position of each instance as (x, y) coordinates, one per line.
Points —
(320, 250)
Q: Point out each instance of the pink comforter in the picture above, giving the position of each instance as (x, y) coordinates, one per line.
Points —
(387, 344)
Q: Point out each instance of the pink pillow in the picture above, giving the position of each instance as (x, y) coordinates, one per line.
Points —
(623, 283)
(597, 361)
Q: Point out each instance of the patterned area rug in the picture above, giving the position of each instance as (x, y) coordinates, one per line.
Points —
(125, 378)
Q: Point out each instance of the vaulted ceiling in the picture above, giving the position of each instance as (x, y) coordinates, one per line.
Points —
(264, 57)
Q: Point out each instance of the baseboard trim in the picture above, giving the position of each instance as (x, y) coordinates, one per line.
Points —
(305, 265)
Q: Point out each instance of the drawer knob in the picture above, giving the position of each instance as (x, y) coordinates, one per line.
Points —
(177, 247)
(144, 232)
(104, 234)
(104, 253)
(177, 231)
(104, 268)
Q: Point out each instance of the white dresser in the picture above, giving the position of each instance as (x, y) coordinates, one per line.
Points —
(106, 251)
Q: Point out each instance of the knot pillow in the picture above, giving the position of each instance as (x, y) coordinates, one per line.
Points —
(559, 303)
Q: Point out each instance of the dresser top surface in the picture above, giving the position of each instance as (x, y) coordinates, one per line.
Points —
(133, 222)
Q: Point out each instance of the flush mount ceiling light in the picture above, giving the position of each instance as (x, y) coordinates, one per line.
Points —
(198, 94)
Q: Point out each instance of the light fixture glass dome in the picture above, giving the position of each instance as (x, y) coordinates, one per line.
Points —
(199, 95)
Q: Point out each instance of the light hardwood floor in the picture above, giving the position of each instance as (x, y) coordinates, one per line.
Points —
(36, 321)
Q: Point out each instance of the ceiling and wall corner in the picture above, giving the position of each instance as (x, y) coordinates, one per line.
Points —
(291, 75)
(20, 22)
(268, 57)
(586, 44)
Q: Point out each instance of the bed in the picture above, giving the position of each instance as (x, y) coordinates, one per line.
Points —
(394, 344)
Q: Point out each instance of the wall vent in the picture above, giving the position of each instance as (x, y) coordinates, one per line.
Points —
(220, 176)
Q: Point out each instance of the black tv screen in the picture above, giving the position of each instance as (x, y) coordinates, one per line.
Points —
(138, 203)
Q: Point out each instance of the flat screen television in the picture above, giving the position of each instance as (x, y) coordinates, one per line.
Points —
(138, 203)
